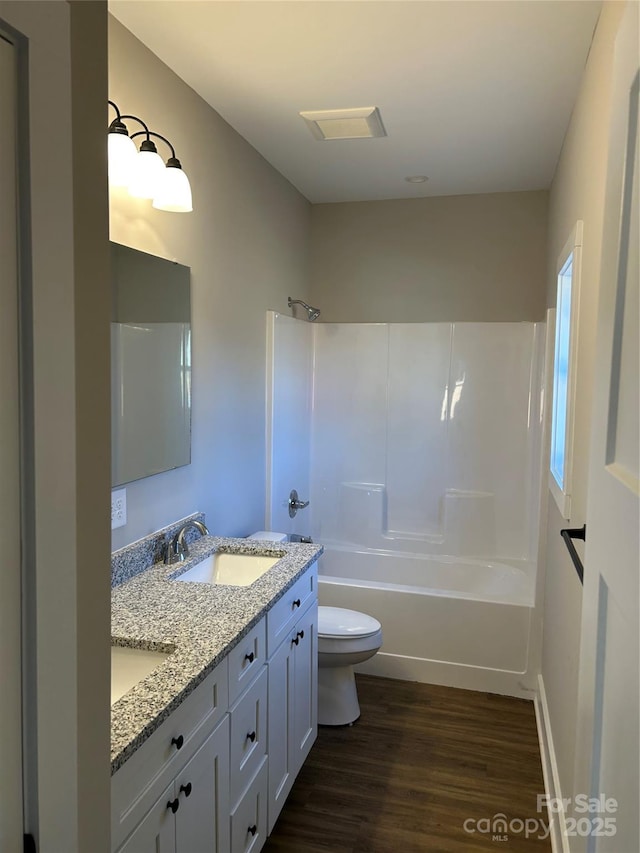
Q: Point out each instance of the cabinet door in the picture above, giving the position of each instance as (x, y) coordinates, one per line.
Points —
(280, 747)
(138, 783)
(305, 700)
(202, 790)
(157, 831)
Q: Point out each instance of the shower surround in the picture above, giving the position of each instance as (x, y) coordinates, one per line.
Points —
(419, 446)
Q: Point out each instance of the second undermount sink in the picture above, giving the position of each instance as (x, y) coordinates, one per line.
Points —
(129, 666)
(229, 569)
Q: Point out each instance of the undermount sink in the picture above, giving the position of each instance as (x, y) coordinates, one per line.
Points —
(129, 666)
(229, 569)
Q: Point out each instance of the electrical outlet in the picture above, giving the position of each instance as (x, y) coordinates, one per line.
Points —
(118, 508)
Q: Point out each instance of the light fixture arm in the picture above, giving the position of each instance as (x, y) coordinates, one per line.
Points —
(139, 120)
(118, 126)
(158, 136)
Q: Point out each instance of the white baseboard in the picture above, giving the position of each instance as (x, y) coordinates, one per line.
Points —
(558, 835)
(448, 674)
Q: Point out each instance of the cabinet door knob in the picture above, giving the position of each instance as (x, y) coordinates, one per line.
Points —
(251, 736)
(300, 634)
(174, 805)
(296, 602)
(186, 788)
(250, 657)
(252, 829)
(178, 742)
(295, 640)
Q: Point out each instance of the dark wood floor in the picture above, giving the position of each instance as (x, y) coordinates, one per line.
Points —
(420, 761)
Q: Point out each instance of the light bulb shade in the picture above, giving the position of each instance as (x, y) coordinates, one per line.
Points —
(174, 192)
(147, 173)
(122, 155)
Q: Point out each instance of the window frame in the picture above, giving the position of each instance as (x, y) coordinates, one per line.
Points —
(572, 249)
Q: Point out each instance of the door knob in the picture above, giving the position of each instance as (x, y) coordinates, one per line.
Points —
(295, 504)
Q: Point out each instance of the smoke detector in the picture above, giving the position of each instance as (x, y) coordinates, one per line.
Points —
(359, 123)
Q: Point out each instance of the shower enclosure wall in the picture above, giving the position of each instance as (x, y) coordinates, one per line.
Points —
(418, 446)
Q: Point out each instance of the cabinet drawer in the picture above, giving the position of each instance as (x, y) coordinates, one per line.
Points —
(248, 741)
(249, 818)
(138, 783)
(290, 607)
(246, 659)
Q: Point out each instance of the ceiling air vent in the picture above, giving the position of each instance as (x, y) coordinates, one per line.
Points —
(361, 123)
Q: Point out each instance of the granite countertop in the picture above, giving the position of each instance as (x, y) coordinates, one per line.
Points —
(198, 622)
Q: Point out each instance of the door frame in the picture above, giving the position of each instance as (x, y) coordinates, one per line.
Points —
(11, 619)
(65, 276)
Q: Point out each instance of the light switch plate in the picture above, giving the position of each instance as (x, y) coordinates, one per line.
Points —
(118, 508)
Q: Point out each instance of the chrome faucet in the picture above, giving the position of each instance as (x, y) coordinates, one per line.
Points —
(177, 550)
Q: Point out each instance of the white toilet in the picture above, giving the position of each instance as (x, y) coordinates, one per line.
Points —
(345, 637)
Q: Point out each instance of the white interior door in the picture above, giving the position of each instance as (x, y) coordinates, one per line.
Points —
(11, 821)
(607, 749)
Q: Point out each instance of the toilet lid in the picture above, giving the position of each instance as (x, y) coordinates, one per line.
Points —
(339, 622)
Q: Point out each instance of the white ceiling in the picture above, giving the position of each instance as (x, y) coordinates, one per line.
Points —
(474, 94)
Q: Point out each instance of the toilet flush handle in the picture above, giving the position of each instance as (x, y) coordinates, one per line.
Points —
(295, 504)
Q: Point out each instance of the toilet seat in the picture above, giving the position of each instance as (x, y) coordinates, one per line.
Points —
(341, 624)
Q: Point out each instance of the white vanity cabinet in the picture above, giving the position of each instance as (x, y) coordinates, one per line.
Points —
(293, 687)
(214, 776)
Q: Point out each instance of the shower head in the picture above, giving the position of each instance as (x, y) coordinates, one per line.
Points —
(312, 313)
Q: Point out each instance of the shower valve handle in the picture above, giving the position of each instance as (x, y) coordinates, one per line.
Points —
(295, 504)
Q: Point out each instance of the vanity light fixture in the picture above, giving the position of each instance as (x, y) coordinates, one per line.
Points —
(143, 171)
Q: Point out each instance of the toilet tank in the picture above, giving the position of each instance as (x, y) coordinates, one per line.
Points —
(269, 536)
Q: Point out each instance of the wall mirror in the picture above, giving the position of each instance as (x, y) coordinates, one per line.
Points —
(150, 365)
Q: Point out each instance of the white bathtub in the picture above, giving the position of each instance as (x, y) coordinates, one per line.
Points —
(454, 621)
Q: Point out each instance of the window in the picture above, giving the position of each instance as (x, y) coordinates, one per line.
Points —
(564, 371)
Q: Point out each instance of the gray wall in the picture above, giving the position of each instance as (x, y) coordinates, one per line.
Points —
(252, 240)
(453, 258)
(577, 193)
(247, 245)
